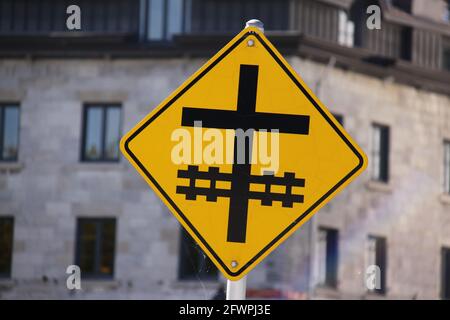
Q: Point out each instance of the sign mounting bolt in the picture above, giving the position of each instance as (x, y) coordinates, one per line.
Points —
(234, 264)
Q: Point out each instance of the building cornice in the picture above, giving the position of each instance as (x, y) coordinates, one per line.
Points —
(203, 46)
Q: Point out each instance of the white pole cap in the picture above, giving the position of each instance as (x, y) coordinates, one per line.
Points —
(255, 23)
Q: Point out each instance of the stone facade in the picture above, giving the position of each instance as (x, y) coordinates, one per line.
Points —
(49, 188)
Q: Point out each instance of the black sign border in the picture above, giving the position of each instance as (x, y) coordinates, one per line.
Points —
(296, 221)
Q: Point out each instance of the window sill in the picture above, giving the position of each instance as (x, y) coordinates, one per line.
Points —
(445, 198)
(374, 296)
(6, 283)
(11, 167)
(379, 186)
(97, 166)
(93, 284)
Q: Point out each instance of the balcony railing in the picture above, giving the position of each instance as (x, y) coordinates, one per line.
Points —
(165, 18)
(44, 17)
(149, 19)
(142, 22)
(229, 15)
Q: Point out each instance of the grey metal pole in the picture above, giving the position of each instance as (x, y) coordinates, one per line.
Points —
(236, 289)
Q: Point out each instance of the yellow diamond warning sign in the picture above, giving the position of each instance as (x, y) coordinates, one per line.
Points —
(243, 153)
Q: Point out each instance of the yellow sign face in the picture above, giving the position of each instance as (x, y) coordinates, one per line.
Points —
(243, 153)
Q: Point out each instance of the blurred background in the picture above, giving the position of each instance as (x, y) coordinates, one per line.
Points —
(67, 196)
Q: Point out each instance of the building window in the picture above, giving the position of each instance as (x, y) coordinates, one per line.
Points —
(339, 118)
(43, 17)
(406, 43)
(6, 246)
(165, 18)
(327, 257)
(404, 5)
(346, 29)
(447, 166)
(446, 15)
(101, 132)
(376, 256)
(229, 16)
(380, 153)
(445, 273)
(446, 55)
(95, 250)
(9, 132)
(193, 263)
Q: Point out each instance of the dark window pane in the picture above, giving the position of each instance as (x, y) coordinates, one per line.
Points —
(94, 129)
(6, 246)
(96, 247)
(193, 263)
(381, 258)
(327, 251)
(332, 258)
(377, 255)
(112, 136)
(108, 240)
(445, 273)
(87, 246)
(380, 153)
(406, 43)
(446, 59)
(384, 155)
(10, 132)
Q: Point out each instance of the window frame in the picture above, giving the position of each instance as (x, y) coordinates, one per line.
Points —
(165, 37)
(446, 181)
(7, 275)
(446, 58)
(445, 282)
(96, 275)
(331, 276)
(445, 53)
(379, 240)
(346, 34)
(382, 176)
(3, 106)
(446, 16)
(84, 134)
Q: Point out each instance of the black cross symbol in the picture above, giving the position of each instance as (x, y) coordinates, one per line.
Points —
(246, 118)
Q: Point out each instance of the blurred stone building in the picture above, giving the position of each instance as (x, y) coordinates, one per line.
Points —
(67, 196)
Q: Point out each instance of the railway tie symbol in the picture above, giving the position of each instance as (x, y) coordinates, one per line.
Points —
(246, 118)
(213, 175)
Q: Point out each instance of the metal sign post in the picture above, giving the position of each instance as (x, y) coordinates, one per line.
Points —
(236, 289)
